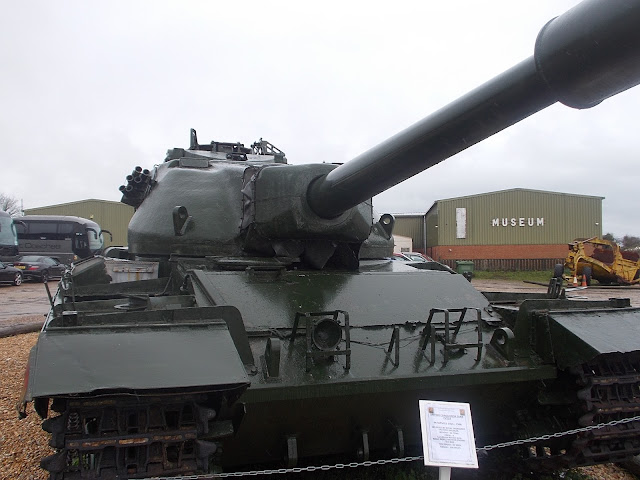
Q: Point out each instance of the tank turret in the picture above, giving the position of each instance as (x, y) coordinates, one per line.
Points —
(239, 201)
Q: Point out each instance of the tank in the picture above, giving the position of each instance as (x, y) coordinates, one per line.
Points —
(279, 333)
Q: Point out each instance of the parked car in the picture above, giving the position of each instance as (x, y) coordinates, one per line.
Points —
(421, 262)
(418, 257)
(9, 274)
(400, 257)
(411, 257)
(34, 267)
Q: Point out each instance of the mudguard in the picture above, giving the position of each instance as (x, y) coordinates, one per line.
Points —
(134, 357)
(577, 337)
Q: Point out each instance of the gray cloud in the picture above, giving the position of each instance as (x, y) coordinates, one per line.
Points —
(90, 90)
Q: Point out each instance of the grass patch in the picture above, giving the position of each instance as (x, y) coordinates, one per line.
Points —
(531, 275)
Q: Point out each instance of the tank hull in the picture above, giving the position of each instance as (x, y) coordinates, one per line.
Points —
(267, 383)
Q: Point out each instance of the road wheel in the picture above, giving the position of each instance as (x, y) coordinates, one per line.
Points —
(17, 280)
(558, 270)
(45, 277)
(586, 271)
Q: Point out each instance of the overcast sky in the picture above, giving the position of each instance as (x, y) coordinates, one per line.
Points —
(89, 90)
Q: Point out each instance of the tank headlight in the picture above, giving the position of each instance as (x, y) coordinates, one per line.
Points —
(327, 334)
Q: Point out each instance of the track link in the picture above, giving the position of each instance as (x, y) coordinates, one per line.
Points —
(607, 389)
(610, 390)
(133, 437)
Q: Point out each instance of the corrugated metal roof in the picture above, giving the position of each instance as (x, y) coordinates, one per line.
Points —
(77, 202)
(516, 190)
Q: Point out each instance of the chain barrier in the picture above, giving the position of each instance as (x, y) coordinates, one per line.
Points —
(337, 466)
(277, 471)
(559, 434)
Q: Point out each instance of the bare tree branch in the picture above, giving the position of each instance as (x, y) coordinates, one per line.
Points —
(9, 204)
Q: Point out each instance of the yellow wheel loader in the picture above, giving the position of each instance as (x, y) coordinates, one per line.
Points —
(602, 260)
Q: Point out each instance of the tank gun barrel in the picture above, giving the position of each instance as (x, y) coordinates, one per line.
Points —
(582, 57)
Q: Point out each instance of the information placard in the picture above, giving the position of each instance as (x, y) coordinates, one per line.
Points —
(447, 434)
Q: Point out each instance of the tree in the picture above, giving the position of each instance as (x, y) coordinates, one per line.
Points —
(9, 204)
(627, 242)
(630, 242)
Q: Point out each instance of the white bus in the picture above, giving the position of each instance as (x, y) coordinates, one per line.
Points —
(62, 237)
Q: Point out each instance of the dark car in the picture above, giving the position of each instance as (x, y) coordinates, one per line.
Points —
(9, 274)
(34, 267)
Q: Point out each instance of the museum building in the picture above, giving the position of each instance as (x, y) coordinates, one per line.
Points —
(516, 229)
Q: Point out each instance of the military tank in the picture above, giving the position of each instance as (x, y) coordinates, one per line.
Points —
(278, 332)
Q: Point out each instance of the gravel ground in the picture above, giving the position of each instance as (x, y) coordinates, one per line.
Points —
(23, 443)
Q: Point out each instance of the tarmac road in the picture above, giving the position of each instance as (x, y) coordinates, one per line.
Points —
(579, 293)
(27, 300)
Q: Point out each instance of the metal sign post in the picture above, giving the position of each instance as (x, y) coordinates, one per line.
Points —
(444, 473)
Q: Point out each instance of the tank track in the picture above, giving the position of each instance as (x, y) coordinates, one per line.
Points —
(132, 437)
(608, 389)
